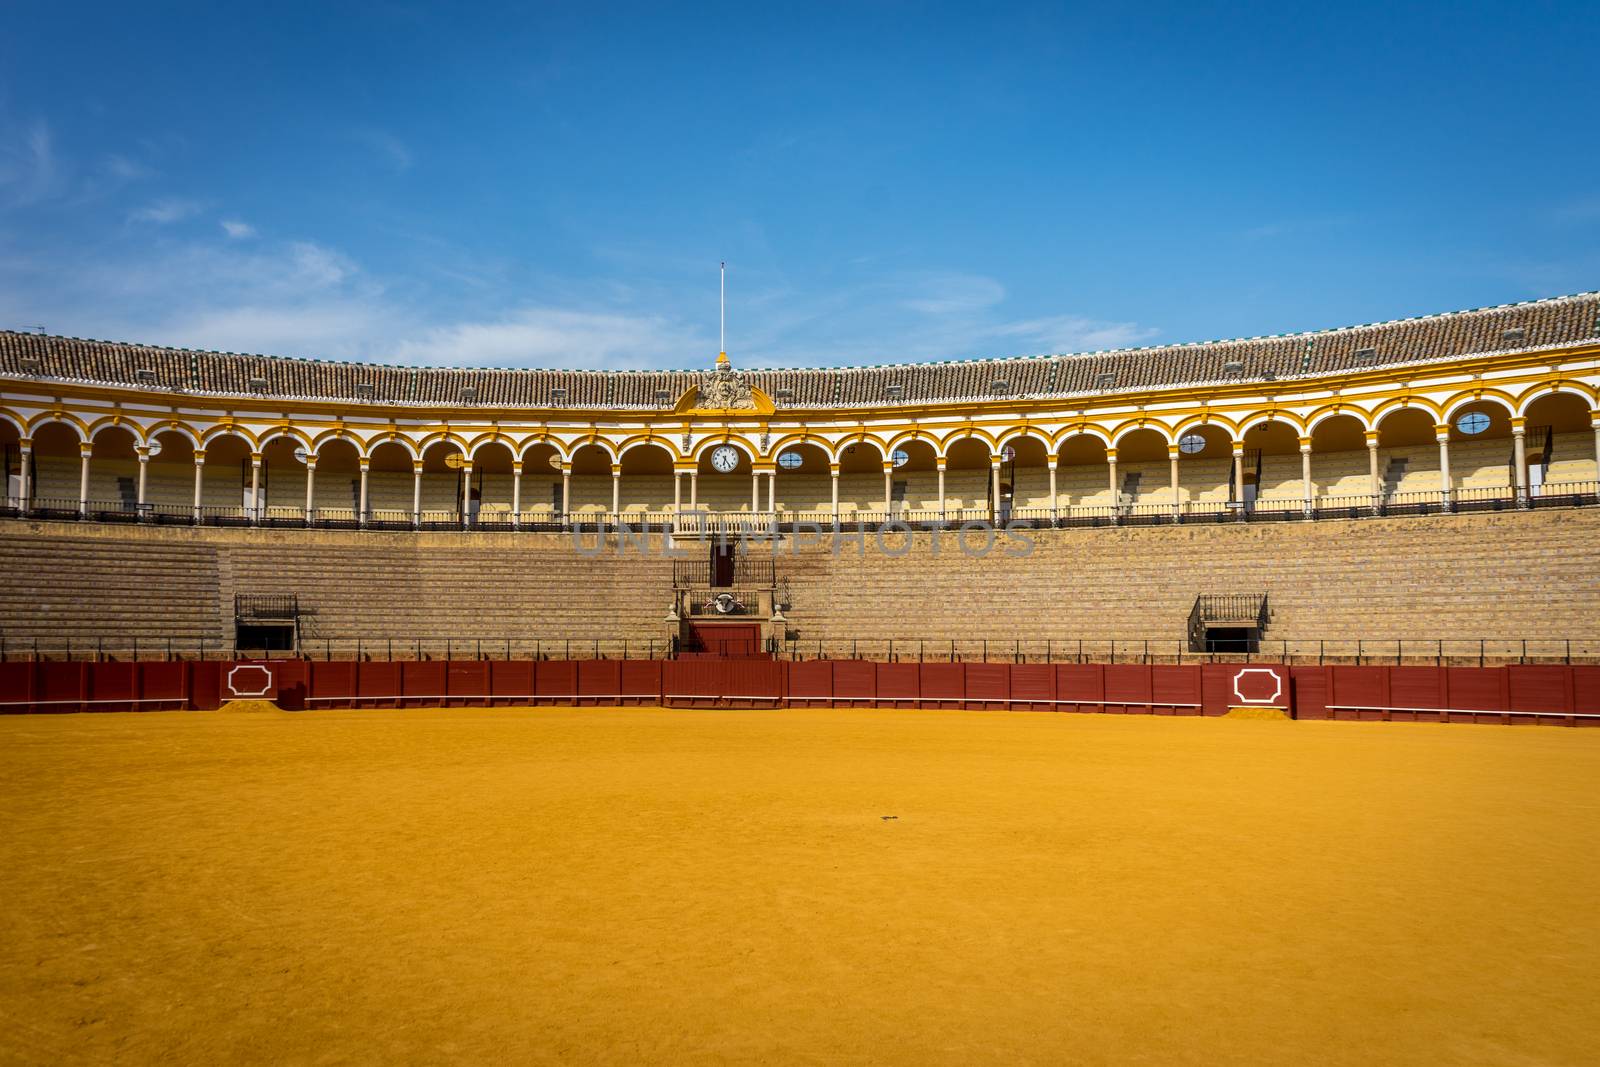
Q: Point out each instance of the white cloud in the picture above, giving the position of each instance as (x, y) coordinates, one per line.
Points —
(1074, 333)
(125, 169)
(555, 337)
(954, 294)
(165, 212)
(388, 147)
(237, 229)
(29, 172)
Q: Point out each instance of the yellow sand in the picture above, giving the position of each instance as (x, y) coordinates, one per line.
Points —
(625, 886)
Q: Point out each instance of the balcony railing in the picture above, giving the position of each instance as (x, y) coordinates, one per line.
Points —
(705, 523)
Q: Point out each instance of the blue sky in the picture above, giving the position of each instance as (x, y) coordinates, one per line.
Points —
(554, 186)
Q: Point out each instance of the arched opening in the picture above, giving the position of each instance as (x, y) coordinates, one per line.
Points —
(1482, 453)
(1024, 479)
(1408, 457)
(863, 488)
(1561, 434)
(915, 488)
(541, 483)
(283, 481)
(646, 479)
(225, 481)
(1340, 476)
(591, 481)
(805, 486)
(337, 486)
(968, 481)
(1274, 446)
(391, 484)
(114, 473)
(55, 469)
(11, 464)
(169, 490)
(1144, 474)
(723, 475)
(488, 492)
(1081, 480)
(444, 482)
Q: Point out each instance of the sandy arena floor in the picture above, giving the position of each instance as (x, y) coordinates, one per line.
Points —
(824, 887)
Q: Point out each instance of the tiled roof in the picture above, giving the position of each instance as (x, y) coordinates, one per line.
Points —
(1542, 323)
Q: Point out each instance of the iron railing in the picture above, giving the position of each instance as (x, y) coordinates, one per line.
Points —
(755, 524)
(1442, 651)
(744, 571)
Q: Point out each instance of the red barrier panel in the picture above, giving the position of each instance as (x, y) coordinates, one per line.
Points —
(466, 682)
(988, 686)
(810, 682)
(1586, 694)
(1477, 689)
(755, 683)
(335, 684)
(556, 681)
(423, 683)
(599, 681)
(897, 684)
(1416, 693)
(511, 681)
(1176, 689)
(855, 681)
(942, 685)
(1358, 692)
(641, 682)
(62, 687)
(1127, 687)
(16, 687)
(378, 685)
(205, 685)
(1033, 687)
(164, 686)
(1540, 688)
(1309, 692)
(1080, 686)
(113, 687)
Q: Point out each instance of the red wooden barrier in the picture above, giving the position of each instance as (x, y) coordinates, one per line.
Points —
(1520, 694)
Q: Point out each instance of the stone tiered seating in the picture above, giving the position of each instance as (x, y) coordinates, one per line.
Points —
(109, 583)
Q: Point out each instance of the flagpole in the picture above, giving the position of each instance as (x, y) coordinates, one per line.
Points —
(722, 335)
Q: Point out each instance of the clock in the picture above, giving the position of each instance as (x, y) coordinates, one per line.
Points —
(724, 458)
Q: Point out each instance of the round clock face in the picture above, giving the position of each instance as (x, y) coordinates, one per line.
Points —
(724, 458)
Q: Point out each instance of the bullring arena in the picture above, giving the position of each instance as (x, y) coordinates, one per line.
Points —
(1217, 702)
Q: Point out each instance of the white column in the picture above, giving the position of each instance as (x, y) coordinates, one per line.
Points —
(772, 492)
(833, 472)
(416, 494)
(516, 494)
(677, 492)
(1055, 501)
(1305, 474)
(1238, 472)
(888, 489)
(85, 449)
(616, 492)
(311, 487)
(1173, 452)
(27, 471)
(363, 516)
(994, 488)
(1372, 467)
(1443, 434)
(941, 490)
(1116, 490)
(466, 495)
(144, 477)
(755, 492)
(255, 487)
(694, 490)
(199, 472)
(1519, 464)
(566, 491)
